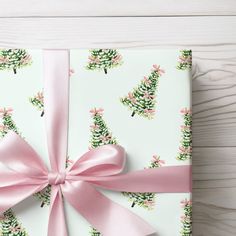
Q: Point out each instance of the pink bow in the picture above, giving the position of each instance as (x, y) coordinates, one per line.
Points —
(4, 111)
(158, 69)
(186, 111)
(96, 111)
(4, 60)
(22, 172)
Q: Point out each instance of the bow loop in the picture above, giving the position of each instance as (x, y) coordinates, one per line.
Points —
(107, 160)
(17, 155)
(22, 172)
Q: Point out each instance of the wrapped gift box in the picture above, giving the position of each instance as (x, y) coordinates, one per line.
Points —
(140, 99)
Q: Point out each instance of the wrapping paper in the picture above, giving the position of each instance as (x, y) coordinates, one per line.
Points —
(140, 99)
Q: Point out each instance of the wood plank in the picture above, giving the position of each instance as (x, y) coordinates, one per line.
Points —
(214, 98)
(26, 8)
(126, 32)
(214, 191)
(211, 220)
(209, 165)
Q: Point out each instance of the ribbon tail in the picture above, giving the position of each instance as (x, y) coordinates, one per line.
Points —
(106, 216)
(57, 223)
(168, 179)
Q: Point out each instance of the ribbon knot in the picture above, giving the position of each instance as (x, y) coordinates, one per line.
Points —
(55, 178)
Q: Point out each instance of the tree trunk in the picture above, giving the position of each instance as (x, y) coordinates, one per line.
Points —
(133, 204)
(42, 205)
(105, 70)
(133, 114)
(42, 113)
(14, 70)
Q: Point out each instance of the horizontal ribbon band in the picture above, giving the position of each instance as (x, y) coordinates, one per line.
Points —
(22, 172)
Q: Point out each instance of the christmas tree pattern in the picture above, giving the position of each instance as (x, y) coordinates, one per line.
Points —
(104, 59)
(7, 122)
(44, 195)
(100, 132)
(100, 135)
(186, 219)
(94, 232)
(37, 101)
(185, 150)
(8, 222)
(13, 59)
(185, 60)
(142, 100)
(145, 200)
(10, 225)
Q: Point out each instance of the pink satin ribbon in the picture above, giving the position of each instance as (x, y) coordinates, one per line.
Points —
(22, 172)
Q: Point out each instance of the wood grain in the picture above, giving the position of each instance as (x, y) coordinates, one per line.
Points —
(214, 191)
(214, 98)
(218, 34)
(213, 40)
(13, 8)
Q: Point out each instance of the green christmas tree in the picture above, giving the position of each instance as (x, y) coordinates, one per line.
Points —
(13, 59)
(145, 200)
(10, 225)
(185, 60)
(94, 232)
(142, 100)
(186, 219)
(44, 196)
(7, 122)
(100, 132)
(37, 101)
(104, 59)
(185, 150)
(100, 135)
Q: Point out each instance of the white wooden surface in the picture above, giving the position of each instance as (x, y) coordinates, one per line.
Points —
(208, 27)
(29, 8)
